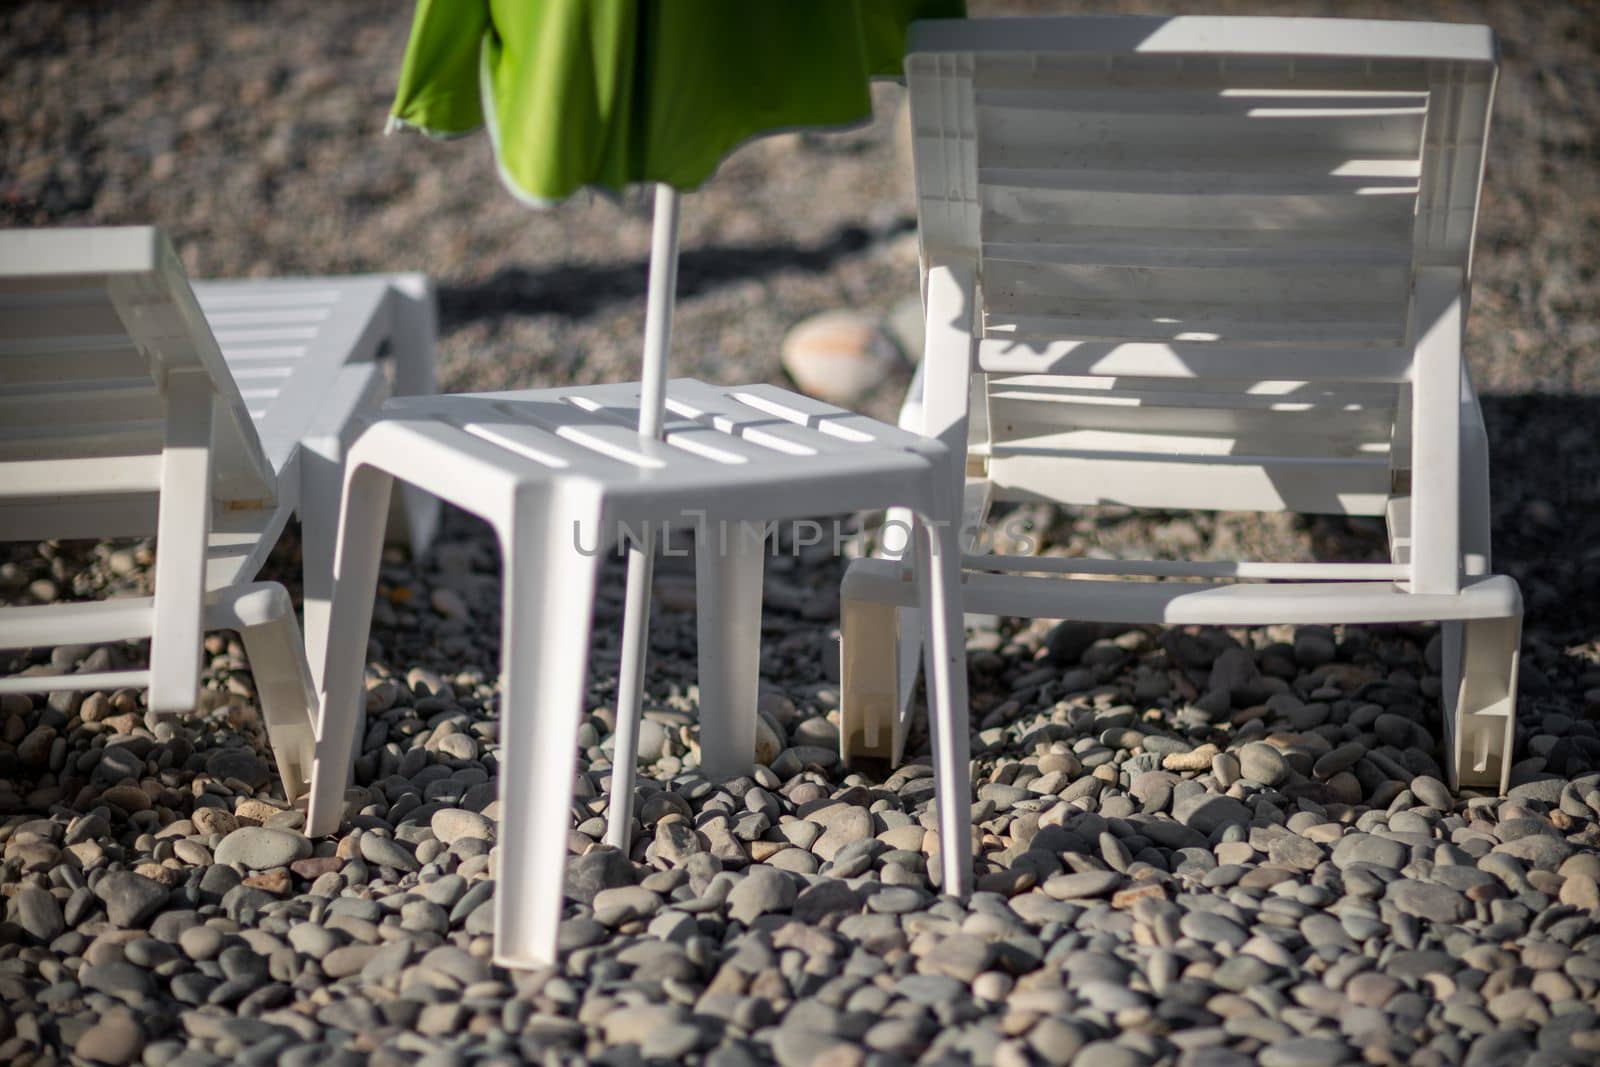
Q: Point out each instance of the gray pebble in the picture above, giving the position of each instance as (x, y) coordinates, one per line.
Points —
(257, 848)
(38, 913)
(130, 899)
(1260, 762)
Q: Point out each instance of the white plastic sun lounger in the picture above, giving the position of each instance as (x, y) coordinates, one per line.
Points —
(134, 404)
(1217, 263)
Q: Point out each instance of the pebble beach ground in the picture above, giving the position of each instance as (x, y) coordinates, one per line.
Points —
(1198, 848)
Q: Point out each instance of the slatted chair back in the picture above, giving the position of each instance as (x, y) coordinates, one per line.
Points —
(96, 327)
(1210, 262)
(118, 417)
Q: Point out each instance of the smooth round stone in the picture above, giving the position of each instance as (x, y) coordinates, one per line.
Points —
(1107, 1054)
(1082, 885)
(671, 1042)
(1340, 759)
(130, 898)
(618, 905)
(347, 960)
(839, 356)
(1408, 822)
(38, 913)
(1242, 972)
(761, 891)
(115, 1040)
(387, 852)
(1056, 1040)
(1306, 1052)
(1428, 900)
(312, 940)
(1226, 769)
(257, 848)
(1432, 792)
(201, 942)
(1260, 762)
(1366, 848)
(635, 1024)
(896, 900)
(117, 978)
(1209, 928)
(450, 825)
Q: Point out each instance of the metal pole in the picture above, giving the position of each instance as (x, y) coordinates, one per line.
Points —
(658, 311)
(641, 558)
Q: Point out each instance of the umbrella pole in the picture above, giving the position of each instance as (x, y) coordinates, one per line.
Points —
(641, 557)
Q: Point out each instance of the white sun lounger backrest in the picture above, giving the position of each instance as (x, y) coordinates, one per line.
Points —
(118, 417)
(94, 326)
(1198, 200)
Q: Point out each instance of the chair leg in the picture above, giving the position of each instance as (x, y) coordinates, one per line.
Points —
(1480, 678)
(945, 654)
(880, 650)
(183, 524)
(630, 691)
(869, 676)
(549, 601)
(911, 648)
(264, 618)
(319, 527)
(728, 621)
(360, 548)
(414, 513)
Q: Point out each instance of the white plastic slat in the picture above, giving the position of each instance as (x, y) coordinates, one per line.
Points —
(116, 358)
(1375, 217)
(1159, 97)
(223, 297)
(1016, 353)
(1371, 293)
(76, 623)
(1194, 250)
(1202, 604)
(1161, 568)
(1139, 73)
(75, 440)
(1224, 129)
(775, 425)
(1192, 482)
(69, 322)
(293, 315)
(59, 477)
(1298, 425)
(61, 406)
(99, 680)
(1313, 43)
(1286, 175)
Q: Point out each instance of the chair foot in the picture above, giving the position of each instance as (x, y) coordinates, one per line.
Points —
(263, 616)
(728, 570)
(1480, 685)
(869, 679)
(342, 707)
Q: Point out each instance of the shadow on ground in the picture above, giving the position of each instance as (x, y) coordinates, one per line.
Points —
(577, 291)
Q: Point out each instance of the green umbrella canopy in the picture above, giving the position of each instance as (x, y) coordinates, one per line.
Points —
(613, 92)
